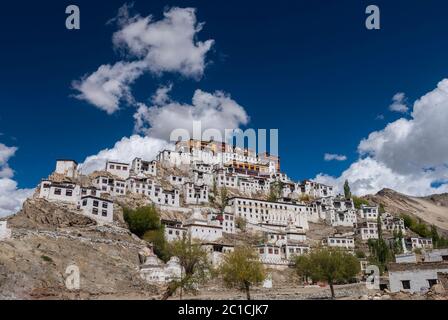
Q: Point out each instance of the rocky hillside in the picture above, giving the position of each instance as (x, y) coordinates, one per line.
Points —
(49, 238)
(432, 209)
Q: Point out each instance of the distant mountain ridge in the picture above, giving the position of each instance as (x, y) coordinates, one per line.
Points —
(431, 209)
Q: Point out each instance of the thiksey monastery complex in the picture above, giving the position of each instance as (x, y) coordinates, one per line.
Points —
(261, 199)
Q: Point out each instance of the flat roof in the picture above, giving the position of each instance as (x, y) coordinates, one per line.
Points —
(67, 160)
(96, 198)
(244, 198)
(201, 225)
(117, 162)
(396, 267)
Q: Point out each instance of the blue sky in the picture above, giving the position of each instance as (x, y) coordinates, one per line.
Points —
(309, 68)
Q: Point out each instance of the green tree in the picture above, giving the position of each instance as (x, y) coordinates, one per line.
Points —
(380, 253)
(347, 192)
(379, 249)
(219, 198)
(421, 229)
(241, 223)
(142, 220)
(303, 267)
(242, 269)
(196, 268)
(330, 265)
(276, 191)
(358, 202)
(360, 254)
(398, 242)
(157, 238)
(408, 221)
(145, 223)
(418, 226)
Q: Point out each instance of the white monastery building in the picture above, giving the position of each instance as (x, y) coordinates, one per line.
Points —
(102, 210)
(199, 229)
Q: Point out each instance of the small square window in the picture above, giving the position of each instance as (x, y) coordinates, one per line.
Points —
(406, 284)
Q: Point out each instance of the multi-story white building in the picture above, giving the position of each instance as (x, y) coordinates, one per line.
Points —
(292, 249)
(392, 224)
(168, 198)
(272, 254)
(113, 186)
(177, 180)
(369, 212)
(342, 218)
(340, 204)
(216, 252)
(226, 180)
(143, 185)
(195, 194)
(174, 230)
(100, 209)
(368, 230)
(259, 212)
(413, 243)
(290, 235)
(225, 220)
(60, 191)
(118, 169)
(228, 223)
(140, 166)
(202, 178)
(180, 158)
(67, 168)
(280, 177)
(147, 186)
(199, 228)
(90, 191)
(248, 185)
(438, 255)
(315, 189)
(340, 241)
(415, 277)
(217, 153)
(202, 167)
(314, 212)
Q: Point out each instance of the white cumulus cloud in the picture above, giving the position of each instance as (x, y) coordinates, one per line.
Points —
(213, 110)
(125, 150)
(167, 45)
(109, 84)
(399, 103)
(334, 157)
(11, 197)
(408, 155)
